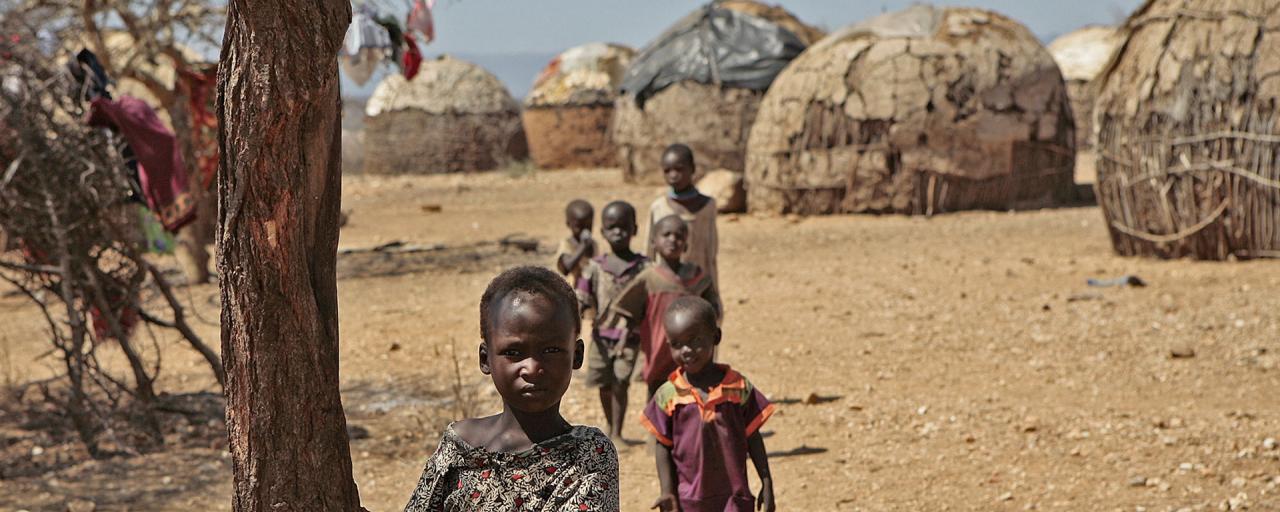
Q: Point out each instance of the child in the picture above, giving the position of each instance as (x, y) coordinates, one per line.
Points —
(640, 306)
(527, 457)
(707, 420)
(612, 358)
(579, 247)
(698, 210)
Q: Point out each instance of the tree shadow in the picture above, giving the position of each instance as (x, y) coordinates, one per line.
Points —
(396, 259)
(44, 464)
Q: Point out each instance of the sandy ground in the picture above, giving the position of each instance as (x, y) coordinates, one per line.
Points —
(953, 363)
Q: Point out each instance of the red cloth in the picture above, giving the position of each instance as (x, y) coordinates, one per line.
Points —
(161, 171)
(204, 124)
(412, 57)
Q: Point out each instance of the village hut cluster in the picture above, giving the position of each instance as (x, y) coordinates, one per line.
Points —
(922, 111)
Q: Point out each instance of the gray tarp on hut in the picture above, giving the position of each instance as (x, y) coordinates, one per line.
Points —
(700, 82)
(713, 45)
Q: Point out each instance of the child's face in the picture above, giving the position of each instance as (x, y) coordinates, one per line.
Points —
(617, 228)
(671, 239)
(692, 342)
(677, 171)
(532, 352)
(578, 225)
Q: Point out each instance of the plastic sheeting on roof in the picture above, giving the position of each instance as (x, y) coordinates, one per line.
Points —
(713, 45)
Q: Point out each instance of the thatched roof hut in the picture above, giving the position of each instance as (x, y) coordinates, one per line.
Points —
(452, 117)
(920, 111)
(566, 116)
(675, 92)
(1081, 55)
(1186, 131)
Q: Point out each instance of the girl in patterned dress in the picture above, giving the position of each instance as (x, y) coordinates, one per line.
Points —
(526, 458)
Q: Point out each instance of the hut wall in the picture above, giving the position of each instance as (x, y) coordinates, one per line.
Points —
(412, 141)
(1188, 143)
(976, 118)
(1082, 97)
(713, 121)
(570, 136)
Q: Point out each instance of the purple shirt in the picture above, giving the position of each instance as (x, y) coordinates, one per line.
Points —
(708, 438)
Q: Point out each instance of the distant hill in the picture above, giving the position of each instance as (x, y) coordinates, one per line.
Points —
(516, 70)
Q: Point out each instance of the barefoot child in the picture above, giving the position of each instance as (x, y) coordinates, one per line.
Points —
(640, 306)
(697, 210)
(527, 457)
(612, 358)
(579, 247)
(707, 420)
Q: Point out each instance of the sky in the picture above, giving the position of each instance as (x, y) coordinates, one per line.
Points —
(515, 38)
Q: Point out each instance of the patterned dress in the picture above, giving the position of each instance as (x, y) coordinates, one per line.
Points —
(573, 472)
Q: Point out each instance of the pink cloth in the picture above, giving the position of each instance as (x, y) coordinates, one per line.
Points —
(420, 19)
(161, 171)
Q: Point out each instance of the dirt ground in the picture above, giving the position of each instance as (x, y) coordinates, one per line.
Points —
(953, 363)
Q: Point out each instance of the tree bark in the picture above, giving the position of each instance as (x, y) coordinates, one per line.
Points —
(279, 190)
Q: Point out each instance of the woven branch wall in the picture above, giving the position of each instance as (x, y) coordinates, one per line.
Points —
(1186, 131)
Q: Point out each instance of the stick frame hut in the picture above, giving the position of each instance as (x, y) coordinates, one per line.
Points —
(1186, 131)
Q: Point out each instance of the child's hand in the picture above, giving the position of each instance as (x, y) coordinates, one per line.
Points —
(765, 502)
(667, 503)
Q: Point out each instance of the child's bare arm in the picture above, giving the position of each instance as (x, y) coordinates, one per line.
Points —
(760, 458)
(666, 479)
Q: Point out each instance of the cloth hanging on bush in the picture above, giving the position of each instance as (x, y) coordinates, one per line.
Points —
(421, 20)
(161, 170)
(366, 44)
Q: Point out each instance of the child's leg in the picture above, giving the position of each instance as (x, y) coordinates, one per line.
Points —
(618, 411)
(606, 405)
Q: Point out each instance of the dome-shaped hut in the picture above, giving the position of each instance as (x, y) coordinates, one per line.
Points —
(700, 83)
(566, 116)
(1081, 55)
(452, 117)
(1186, 131)
(919, 111)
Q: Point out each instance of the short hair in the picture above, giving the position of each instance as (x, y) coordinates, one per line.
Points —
(681, 151)
(531, 280)
(628, 211)
(578, 209)
(670, 218)
(703, 312)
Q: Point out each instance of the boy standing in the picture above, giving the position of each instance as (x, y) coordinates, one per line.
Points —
(696, 209)
(642, 303)
(612, 358)
(579, 247)
(707, 420)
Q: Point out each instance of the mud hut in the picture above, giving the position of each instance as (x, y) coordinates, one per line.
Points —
(1186, 131)
(919, 111)
(567, 114)
(1081, 55)
(452, 117)
(700, 83)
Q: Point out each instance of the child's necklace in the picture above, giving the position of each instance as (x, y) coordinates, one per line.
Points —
(691, 193)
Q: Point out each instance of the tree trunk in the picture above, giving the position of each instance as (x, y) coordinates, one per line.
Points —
(279, 189)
